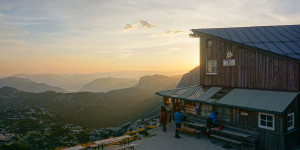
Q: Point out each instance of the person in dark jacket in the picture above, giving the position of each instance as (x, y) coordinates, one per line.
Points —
(211, 121)
(178, 116)
(163, 117)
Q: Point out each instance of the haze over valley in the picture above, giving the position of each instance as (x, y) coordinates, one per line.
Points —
(75, 82)
(48, 115)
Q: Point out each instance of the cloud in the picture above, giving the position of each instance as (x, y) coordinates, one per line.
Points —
(6, 31)
(172, 33)
(168, 51)
(4, 6)
(146, 25)
(129, 27)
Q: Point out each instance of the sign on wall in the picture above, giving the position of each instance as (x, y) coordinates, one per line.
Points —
(228, 61)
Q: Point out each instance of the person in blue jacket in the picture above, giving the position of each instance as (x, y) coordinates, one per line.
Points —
(211, 121)
(178, 116)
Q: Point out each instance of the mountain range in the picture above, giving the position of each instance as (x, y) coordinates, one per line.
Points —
(28, 85)
(74, 82)
(94, 110)
(109, 83)
(50, 119)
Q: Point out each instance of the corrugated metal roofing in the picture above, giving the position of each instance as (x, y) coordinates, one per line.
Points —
(190, 91)
(283, 40)
(208, 94)
(248, 99)
(179, 92)
(196, 94)
(167, 92)
(258, 99)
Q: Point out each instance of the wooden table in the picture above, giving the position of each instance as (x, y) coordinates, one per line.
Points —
(113, 140)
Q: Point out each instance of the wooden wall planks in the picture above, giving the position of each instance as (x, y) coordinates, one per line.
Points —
(253, 68)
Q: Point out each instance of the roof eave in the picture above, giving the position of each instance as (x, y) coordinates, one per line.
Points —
(229, 106)
(245, 45)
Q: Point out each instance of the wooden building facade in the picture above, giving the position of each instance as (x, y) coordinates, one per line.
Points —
(250, 75)
(253, 68)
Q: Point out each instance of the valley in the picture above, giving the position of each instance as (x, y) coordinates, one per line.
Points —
(30, 118)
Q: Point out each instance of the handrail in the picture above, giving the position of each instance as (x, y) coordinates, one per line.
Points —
(151, 119)
(145, 122)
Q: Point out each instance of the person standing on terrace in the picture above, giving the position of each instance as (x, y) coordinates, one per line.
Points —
(211, 122)
(178, 116)
(163, 117)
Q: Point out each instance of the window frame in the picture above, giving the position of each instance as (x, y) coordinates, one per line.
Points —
(222, 113)
(208, 109)
(209, 41)
(293, 121)
(212, 73)
(266, 127)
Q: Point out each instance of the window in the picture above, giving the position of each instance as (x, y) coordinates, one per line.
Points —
(290, 121)
(211, 67)
(266, 121)
(208, 43)
(224, 113)
(205, 110)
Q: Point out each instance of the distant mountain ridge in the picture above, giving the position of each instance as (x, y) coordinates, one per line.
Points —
(28, 85)
(155, 81)
(109, 83)
(74, 82)
(95, 110)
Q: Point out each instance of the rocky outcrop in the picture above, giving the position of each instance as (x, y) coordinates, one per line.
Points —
(191, 78)
(158, 82)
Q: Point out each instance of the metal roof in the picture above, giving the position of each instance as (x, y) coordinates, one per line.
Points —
(208, 94)
(179, 92)
(283, 40)
(190, 91)
(196, 94)
(248, 99)
(273, 101)
(167, 92)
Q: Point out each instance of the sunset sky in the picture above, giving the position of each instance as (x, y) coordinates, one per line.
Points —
(77, 36)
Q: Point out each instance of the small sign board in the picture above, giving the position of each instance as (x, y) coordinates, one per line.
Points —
(228, 62)
(244, 113)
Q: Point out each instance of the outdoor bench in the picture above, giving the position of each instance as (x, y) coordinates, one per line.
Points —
(226, 139)
(247, 140)
(187, 129)
(200, 128)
